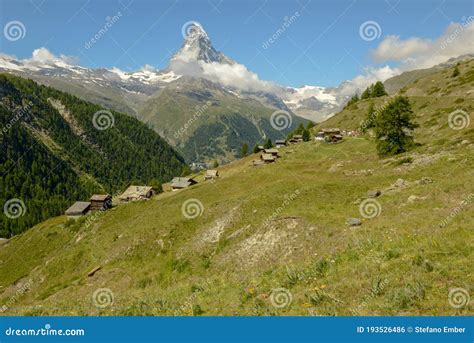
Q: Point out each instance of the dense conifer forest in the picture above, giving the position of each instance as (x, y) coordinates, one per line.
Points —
(50, 159)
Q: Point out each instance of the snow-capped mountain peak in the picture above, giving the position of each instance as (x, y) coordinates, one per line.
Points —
(198, 47)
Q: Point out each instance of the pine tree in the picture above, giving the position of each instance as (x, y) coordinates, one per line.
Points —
(156, 184)
(299, 130)
(394, 126)
(370, 118)
(310, 125)
(268, 144)
(244, 150)
(378, 89)
(255, 149)
(455, 72)
(215, 164)
(367, 93)
(306, 135)
(353, 100)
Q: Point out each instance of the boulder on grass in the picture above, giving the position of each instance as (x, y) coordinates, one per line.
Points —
(354, 222)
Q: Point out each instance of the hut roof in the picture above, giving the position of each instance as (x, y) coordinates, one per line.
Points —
(331, 130)
(79, 207)
(100, 197)
(268, 157)
(271, 151)
(182, 182)
(298, 136)
(136, 191)
(212, 172)
(280, 141)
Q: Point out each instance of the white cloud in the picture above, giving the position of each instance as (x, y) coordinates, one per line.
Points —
(371, 75)
(149, 68)
(414, 52)
(236, 75)
(44, 56)
(392, 48)
(231, 75)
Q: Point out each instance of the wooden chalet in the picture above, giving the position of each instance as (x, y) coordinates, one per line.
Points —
(137, 193)
(336, 138)
(331, 131)
(332, 135)
(296, 139)
(182, 182)
(280, 143)
(101, 202)
(267, 158)
(78, 209)
(272, 151)
(319, 136)
(211, 174)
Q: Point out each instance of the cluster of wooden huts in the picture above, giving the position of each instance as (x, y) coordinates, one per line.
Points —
(331, 135)
(181, 182)
(97, 202)
(334, 135)
(103, 202)
(271, 155)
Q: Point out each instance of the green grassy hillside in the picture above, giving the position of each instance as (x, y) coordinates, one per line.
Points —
(434, 97)
(274, 239)
(227, 261)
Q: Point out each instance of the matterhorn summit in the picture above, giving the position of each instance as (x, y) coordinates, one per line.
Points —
(198, 47)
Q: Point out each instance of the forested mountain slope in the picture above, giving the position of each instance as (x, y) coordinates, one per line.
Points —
(57, 149)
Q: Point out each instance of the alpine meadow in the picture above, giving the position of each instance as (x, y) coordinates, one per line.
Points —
(200, 158)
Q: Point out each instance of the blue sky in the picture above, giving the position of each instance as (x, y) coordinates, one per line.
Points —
(321, 46)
